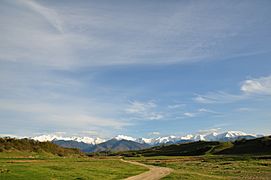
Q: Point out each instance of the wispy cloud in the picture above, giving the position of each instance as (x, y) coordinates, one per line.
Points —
(48, 14)
(249, 88)
(144, 110)
(176, 106)
(62, 115)
(200, 112)
(190, 114)
(260, 85)
(87, 120)
(78, 34)
(218, 97)
(140, 107)
(53, 58)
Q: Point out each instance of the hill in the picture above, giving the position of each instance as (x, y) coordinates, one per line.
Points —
(186, 149)
(253, 146)
(29, 145)
(73, 144)
(115, 145)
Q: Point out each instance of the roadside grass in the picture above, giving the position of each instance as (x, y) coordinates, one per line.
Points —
(34, 166)
(213, 167)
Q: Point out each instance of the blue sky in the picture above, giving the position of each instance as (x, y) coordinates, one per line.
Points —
(140, 68)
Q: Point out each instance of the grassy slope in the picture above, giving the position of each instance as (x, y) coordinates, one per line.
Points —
(253, 146)
(27, 159)
(31, 146)
(212, 167)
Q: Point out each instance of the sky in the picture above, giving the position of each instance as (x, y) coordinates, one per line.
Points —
(139, 68)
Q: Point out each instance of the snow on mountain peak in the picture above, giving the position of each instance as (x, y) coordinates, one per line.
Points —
(235, 133)
(199, 137)
(214, 136)
(88, 140)
(231, 134)
(123, 137)
(187, 137)
(51, 137)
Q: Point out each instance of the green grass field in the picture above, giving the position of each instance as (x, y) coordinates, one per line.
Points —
(35, 166)
(213, 167)
(41, 166)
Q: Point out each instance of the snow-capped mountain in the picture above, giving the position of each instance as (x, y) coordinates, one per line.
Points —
(165, 140)
(152, 141)
(225, 136)
(123, 137)
(87, 140)
(198, 137)
(123, 142)
(229, 135)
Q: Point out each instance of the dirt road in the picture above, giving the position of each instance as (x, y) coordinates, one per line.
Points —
(154, 172)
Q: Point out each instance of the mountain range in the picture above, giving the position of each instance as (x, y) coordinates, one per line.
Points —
(124, 143)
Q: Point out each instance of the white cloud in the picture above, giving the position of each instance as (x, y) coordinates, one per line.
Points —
(200, 112)
(218, 97)
(88, 120)
(140, 107)
(260, 85)
(250, 87)
(144, 110)
(175, 106)
(203, 110)
(68, 115)
(153, 116)
(88, 34)
(49, 14)
(203, 99)
(189, 114)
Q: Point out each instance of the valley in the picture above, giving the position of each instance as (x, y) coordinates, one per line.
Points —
(242, 159)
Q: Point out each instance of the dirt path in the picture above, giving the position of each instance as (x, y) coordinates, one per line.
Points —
(154, 172)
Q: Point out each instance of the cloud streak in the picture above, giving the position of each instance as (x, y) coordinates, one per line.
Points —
(144, 110)
(75, 65)
(249, 89)
(78, 34)
(260, 85)
(200, 112)
(61, 115)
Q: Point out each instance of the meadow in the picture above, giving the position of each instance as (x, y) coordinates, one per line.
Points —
(32, 166)
(28, 159)
(212, 167)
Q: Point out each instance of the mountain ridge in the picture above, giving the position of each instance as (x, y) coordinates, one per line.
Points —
(224, 136)
(126, 143)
